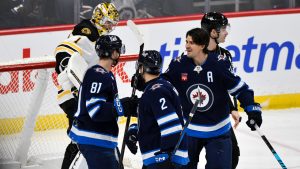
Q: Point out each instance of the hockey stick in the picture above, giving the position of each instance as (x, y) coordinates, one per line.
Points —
(236, 107)
(139, 37)
(269, 145)
(183, 131)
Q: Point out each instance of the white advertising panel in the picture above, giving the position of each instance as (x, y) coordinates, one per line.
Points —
(265, 49)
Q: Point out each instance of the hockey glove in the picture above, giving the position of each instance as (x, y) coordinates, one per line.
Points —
(130, 106)
(138, 82)
(164, 160)
(131, 138)
(254, 113)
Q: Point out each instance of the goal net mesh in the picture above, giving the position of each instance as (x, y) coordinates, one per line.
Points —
(18, 84)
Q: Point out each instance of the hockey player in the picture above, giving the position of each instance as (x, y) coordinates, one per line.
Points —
(95, 128)
(199, 74)
(160, 118)
(81, 46)
(216, 24)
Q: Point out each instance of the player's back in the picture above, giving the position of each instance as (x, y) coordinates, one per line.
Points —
(160, 121)
(158, 100)
(94, 115)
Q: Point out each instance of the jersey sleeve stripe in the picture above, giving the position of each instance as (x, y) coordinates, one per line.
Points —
(149, 157)
(64, 96)
(168, 118)
(181, 157)
(74, 46)
(78, 135)
(93, 110)
(63, 93)
(171, 130)
(210, 128)
(182, 153)
(64, 49)
(94, 100)
(237, 87)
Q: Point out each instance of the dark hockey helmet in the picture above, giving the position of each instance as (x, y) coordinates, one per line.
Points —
(213, 20)
(106, 44)
(151, 60)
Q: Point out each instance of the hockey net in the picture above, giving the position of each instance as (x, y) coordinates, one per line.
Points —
(32, 125)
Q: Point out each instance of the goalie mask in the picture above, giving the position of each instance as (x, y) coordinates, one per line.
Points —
(106, 44)
(150, 61)
(105, 17)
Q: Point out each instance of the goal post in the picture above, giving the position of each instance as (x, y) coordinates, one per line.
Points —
(32, 125)
(29, 112)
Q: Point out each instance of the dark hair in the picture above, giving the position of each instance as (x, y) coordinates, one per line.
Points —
(200, 37)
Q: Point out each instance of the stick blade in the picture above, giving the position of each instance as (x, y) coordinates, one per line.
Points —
(133, 27)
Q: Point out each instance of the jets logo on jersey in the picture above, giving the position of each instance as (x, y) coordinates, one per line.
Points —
(221, 57)
(155, 86)
(100, 70)
(202, 92)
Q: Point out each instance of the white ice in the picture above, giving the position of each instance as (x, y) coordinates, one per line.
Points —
(281, 127)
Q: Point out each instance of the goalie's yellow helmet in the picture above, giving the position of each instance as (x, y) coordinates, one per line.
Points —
(106, 17)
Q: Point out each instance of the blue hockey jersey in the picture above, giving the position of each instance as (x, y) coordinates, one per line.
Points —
(160, 122)
(211, 82)
(95, 123)
(223, 55)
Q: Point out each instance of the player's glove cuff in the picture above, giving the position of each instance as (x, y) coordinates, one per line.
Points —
(253, 108)
(118, 109)
(254, 114)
